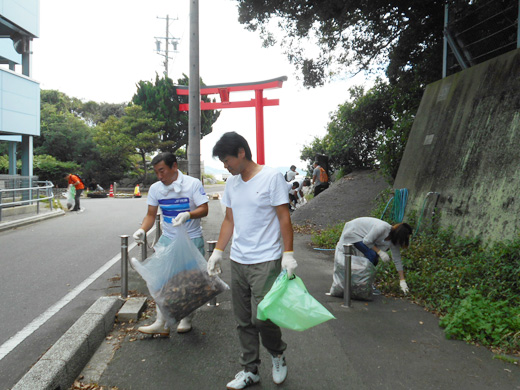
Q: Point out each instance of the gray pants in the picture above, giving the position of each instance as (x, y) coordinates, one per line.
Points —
(76, 200)
(249, 284)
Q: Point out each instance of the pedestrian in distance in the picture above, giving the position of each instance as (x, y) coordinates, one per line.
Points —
(373, 237)
(291, 173)
(320, 179)
(257, 217)
(182, 200)
(75, 180)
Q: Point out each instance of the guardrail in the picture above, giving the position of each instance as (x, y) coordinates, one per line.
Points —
(29, 195)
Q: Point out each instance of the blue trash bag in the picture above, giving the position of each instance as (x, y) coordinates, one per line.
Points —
(176, 275)
(289, 305)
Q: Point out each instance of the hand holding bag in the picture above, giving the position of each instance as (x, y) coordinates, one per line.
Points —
(177, 278)
(289, 305)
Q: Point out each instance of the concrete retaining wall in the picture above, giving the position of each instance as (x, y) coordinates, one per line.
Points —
(465, 145)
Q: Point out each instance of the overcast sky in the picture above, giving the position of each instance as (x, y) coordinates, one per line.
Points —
(98, 50)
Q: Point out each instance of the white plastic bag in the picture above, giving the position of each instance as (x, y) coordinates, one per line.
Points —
(71, 194)
(363, 274)
(177, 277)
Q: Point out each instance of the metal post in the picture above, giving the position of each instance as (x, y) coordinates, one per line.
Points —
(157, 228)
(124, 267)
(348, 250)
(211, 248)
(144, 248)
(50, 195)
(194, 95)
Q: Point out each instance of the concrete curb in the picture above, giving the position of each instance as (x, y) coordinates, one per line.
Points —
(29, 220)
(63, 362)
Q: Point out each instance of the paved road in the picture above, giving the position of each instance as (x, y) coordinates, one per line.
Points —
(43, 263)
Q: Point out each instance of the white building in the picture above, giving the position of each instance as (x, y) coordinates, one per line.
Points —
(19, 93)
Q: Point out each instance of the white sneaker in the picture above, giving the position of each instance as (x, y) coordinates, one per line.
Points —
(242, 380)
(185, 325)
(279, 369)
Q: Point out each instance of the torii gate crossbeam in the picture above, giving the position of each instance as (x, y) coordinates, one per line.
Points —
(259, 102)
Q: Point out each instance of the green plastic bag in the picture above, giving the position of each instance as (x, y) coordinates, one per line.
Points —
(289, 305)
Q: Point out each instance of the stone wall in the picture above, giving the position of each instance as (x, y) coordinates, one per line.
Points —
(465, 146)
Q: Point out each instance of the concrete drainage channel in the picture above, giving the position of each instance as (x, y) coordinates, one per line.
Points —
(65, 360)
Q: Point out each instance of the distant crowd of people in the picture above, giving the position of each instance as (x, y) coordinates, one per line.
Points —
(299, 186)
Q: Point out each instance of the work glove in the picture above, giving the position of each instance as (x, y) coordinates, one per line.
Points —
(288, 263)
(181, 218)
(404, 286)
(214, 262)
(384, 256)
(139, 236)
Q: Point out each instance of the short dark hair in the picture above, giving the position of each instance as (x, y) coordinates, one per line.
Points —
(293, 167)
(229, 145)
(168, 158)
(400, 234)
(295, 184)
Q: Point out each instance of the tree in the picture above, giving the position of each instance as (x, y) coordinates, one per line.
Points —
(63, 135)
(162, 102)
(143, 131)
(401, 35)
(115, 150)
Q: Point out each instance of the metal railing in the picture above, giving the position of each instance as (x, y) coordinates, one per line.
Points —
(28, 194)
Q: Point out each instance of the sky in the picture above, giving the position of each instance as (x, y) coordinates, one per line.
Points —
(99, 50)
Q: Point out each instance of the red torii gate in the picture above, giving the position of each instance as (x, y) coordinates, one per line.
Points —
(259, 102)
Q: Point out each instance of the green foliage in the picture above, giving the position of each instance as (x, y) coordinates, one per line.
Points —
(115, 149)
(45, 167)
(367, 132)
(457, 276)
(351, 36)
(63, 135)
(49, 168)
(327, 238)
(161, 101)
(491, 323)
(143, 131)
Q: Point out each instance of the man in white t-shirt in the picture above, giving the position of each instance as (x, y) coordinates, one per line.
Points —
(291, 173)
(295, 193)
(257, 216)
(182, 200)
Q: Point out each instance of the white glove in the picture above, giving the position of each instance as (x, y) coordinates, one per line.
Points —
(181, 218)
(384, 256)
(214, 262)
(289, 263)
(139, 236)
(404, 286)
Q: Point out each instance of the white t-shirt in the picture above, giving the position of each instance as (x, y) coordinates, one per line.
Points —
(256, 235)
(184, 194)
(291, 175)
(295, 191)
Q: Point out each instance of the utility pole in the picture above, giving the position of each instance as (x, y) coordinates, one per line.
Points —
(167, 40)
(194, 95)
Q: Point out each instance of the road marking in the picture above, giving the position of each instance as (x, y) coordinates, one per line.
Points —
(14, 341)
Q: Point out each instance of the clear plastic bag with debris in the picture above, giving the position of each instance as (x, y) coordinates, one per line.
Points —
(176, 275)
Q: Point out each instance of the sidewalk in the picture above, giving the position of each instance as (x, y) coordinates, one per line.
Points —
(389, 343)
(19, 220)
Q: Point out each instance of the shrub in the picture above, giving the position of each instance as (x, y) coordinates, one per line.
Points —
(449, 274)
(492, 323)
